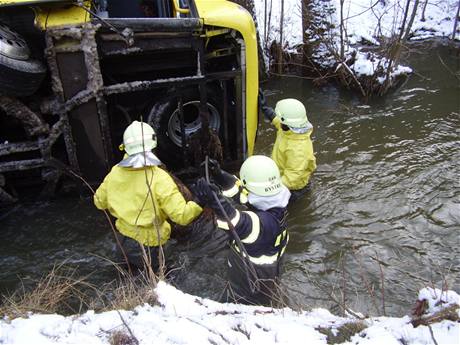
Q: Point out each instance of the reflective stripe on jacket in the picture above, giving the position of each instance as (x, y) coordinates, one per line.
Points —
(125, 194)
(293, 154)
(263, 233)
(236, 192)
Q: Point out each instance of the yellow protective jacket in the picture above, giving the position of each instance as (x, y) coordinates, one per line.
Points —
(293, 153)
(124, 193)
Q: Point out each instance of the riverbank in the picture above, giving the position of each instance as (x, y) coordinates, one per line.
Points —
(360, 44)
(179, 318)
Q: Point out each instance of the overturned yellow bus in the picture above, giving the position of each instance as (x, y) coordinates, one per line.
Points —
(74, 74)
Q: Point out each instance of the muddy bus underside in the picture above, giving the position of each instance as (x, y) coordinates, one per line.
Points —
(165, 58)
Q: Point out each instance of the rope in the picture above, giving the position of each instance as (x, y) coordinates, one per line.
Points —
(248, 266)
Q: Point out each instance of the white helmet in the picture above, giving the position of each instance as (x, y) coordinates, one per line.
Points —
(261, 176)
(292, 113)
(139, 137)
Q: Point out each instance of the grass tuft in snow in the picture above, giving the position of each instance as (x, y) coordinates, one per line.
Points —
(132, 291)
(122, 338)
(60, 291)
(343, 333)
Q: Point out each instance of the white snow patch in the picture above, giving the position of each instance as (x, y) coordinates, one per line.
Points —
(365, 21)
(181, 318)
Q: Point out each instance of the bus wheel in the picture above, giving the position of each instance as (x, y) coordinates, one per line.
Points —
(20, 75)
(165, 119)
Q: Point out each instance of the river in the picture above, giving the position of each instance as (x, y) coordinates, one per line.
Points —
(384, 204)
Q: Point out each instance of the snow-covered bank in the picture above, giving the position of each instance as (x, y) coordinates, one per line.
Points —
(365, 22)
(184, 319)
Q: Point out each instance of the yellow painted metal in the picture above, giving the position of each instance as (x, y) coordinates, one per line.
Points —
(27, 2)
(211, 33)
(230, 15)
(50, 13)
(52, 16)
(178, 9)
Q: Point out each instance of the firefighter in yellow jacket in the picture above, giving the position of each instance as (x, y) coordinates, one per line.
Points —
(293, 149)
(143, 197)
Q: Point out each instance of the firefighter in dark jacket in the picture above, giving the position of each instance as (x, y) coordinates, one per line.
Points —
(261, 229)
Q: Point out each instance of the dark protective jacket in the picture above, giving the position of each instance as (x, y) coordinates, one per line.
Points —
(264, 236)
(263, 233)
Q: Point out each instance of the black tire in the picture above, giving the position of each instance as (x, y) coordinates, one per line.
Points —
(164, 114)
(20, 77)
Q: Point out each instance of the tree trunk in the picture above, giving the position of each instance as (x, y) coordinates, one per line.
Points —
(342, 48)
(411, 21)
(280, 48)
(456, 21)
(423, 11)
(306, 23)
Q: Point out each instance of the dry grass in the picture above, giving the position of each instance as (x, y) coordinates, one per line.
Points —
(122, 338)
(131, 291)
(60, 291)
(343, 333)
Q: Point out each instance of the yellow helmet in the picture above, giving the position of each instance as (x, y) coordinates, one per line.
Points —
(261, 176)
(292, 113)
(139, 137)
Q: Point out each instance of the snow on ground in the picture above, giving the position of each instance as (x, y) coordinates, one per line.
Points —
(365, 21)
(368, 19)
(185, 319)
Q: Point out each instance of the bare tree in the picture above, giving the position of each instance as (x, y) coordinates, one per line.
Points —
(396, 46)
(280, 51)
(267, 37)
(342, 45)
(456, 21)
(265, 19)
(422, 18)
(411, 21)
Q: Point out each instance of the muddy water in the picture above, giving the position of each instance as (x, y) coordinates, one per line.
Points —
(385, 204)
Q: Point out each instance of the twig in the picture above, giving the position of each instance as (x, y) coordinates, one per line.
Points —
(210, 330)
(365, 281)
(343, 290)
(448, 313)
(343, 64)
(280, 51)
(64, 168)
(331, 297)
(447, 67)
(432, 335)
(291, 76)
(456, 21)
(382, 280)
(248, 266)
(136, 341)
(161, 257)
(368, 9)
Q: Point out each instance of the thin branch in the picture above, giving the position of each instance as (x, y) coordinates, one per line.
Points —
(64, 168)
(456, 75)
(382, 283)
(432, 335)
(369, 289)
(136, 341)
(454, 31)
